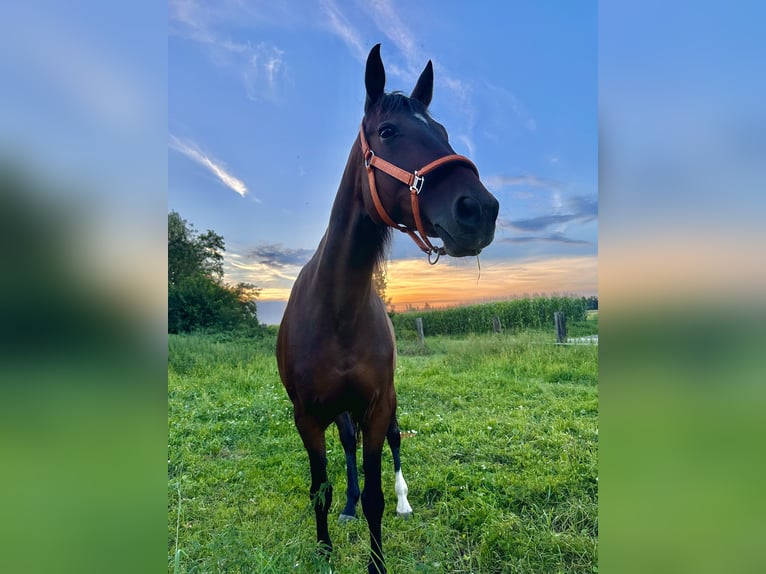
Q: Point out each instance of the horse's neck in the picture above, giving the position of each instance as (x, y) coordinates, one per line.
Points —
(350, 247)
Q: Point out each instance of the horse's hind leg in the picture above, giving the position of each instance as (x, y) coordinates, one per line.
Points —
(347, 432)
(312, 434)
(403, 507)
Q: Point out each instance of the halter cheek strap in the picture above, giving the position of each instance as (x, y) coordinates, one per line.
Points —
(414, 180)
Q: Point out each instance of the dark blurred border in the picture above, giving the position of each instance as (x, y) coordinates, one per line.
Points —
(83, 177)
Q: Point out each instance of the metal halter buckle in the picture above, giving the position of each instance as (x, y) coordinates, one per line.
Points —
(368, 158)
(417, 184)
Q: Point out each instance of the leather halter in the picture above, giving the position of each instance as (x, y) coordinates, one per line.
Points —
(414, 180)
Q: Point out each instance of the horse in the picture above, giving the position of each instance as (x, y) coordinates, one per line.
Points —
(336, 350)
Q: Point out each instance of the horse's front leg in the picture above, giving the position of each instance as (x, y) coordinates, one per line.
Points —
(347, 433)
(320, 492)
(373, 503)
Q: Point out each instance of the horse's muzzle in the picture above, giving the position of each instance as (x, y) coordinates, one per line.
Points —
(471, 226)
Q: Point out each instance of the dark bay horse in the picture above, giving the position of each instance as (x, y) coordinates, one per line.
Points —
(336, 350)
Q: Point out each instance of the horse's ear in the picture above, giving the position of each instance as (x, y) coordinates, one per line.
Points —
(374, 77)
(424, 89)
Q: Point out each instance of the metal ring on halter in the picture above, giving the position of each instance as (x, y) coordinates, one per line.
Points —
(368, 158)
(439, 252)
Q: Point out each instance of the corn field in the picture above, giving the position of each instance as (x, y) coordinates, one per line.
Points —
(527, 313)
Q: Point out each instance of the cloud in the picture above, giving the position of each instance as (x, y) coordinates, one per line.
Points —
(582, 209)
(579, 209)
(498, 102)
(586, 207)
(339, 25)
(272, 267)
(388, 23)
(387, 20)
(260, 65)
(192, 19)
(277, 255)
(193, 152)
(527, 180)
(539, 223)
(269, 277)
(555, 237)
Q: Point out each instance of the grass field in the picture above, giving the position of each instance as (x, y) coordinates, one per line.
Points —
(500, 457)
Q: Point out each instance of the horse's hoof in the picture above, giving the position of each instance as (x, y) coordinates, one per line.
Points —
(325, 549)
(405, 515)
(346, 518)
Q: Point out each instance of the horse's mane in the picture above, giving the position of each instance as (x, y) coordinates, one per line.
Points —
(399, 101)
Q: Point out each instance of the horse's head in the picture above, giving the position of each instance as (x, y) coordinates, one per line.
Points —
(400, 139)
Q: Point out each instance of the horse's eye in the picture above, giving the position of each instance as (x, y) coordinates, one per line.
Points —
(386, 132)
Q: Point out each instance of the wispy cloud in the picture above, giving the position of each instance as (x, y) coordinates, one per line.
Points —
(499, 101)
(541, 222)
(338, 24)
(193, 152)
(387, 20)
(260, 65)
(191, 17)
(527, 180)
(555, 237)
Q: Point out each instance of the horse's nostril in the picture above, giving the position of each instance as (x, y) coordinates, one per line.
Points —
(467, 211)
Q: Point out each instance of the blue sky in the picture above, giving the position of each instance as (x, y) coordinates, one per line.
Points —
(264, 100)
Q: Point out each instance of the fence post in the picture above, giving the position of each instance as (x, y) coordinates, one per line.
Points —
(560, 319)
(497, 325)
(419, 326)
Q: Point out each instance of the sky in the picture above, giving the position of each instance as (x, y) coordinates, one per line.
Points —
(264, 103)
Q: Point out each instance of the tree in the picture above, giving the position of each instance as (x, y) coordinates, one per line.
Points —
(197, 294)
(380, 281)
(190, 253)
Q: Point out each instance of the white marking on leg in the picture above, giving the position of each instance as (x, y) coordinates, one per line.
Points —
(403, 507)
(422, 118)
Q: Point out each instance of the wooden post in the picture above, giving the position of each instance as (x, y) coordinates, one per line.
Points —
(419, 325)
(560, 319)
(497, 325)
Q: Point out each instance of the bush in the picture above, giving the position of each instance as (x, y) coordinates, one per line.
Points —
(200, 302)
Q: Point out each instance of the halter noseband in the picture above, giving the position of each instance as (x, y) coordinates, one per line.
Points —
(414, 180)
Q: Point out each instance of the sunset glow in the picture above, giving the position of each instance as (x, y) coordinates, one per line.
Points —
(414, 282)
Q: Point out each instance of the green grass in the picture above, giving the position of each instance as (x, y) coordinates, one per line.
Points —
(502, 471)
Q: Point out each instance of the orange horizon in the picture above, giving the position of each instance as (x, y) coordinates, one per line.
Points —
(412, 282)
